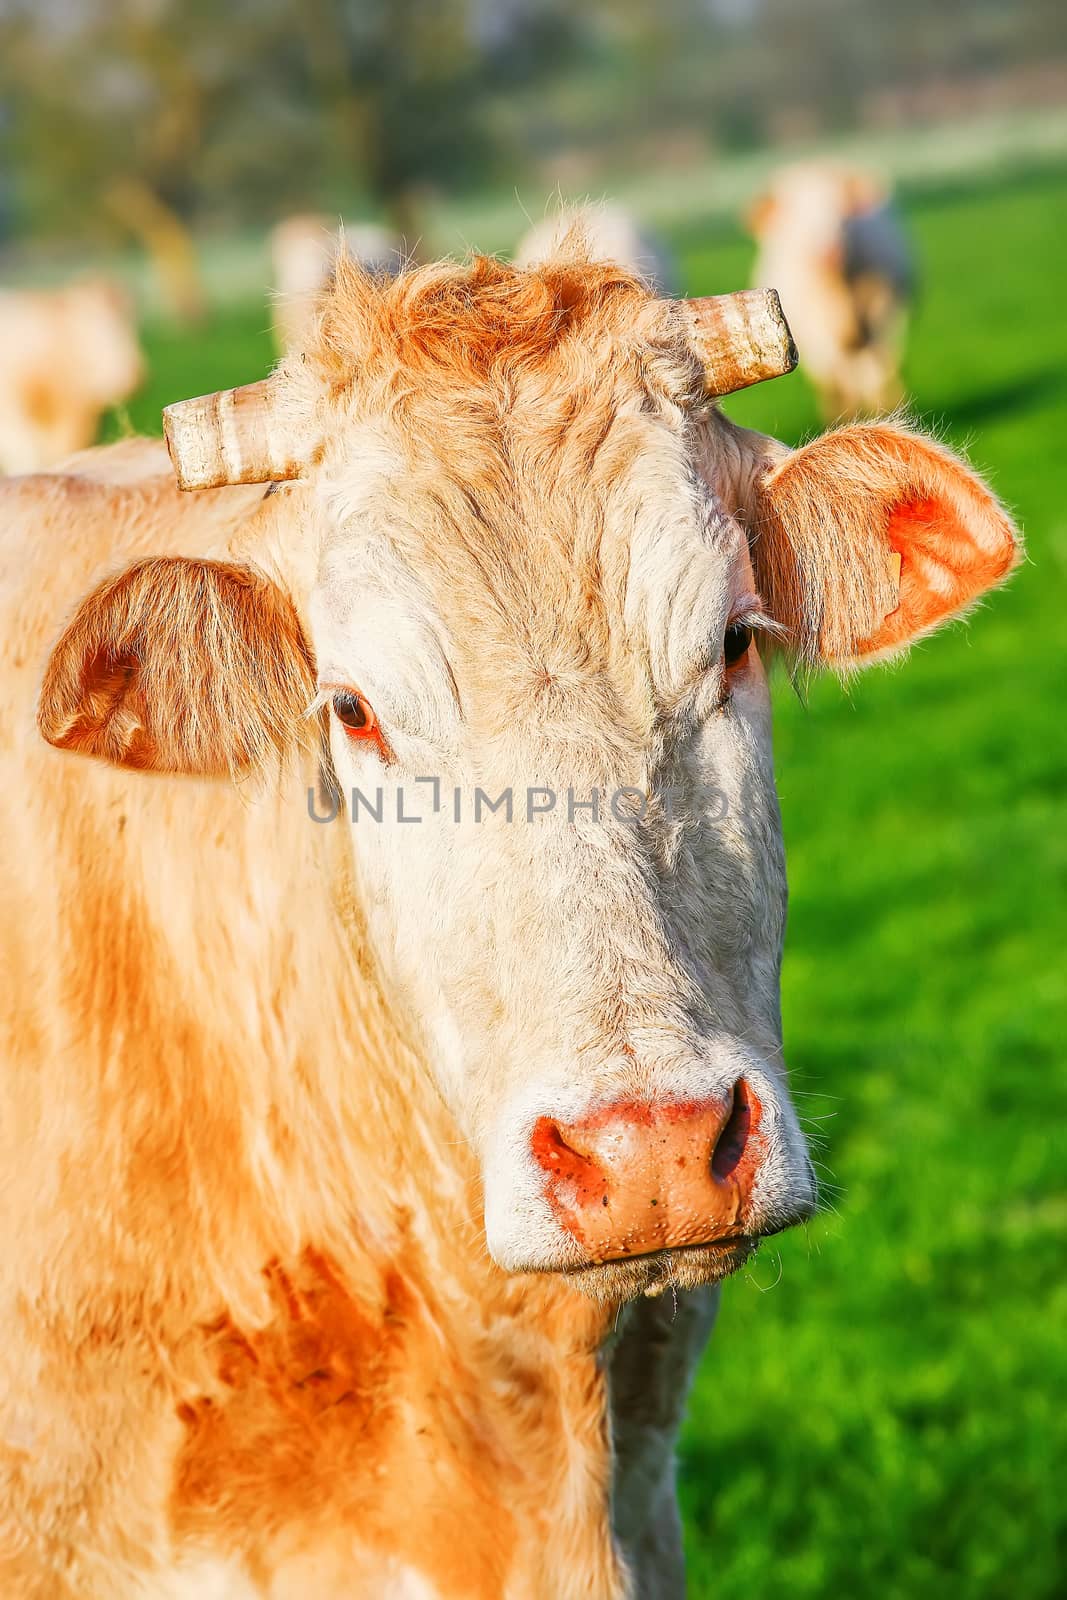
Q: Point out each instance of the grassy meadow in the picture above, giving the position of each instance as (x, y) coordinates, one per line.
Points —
(881, 1411)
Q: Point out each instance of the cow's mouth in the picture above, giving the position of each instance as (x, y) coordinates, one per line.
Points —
(687, 1267)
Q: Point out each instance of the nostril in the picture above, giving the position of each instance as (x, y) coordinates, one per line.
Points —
(733, 1136)
(555, 1156)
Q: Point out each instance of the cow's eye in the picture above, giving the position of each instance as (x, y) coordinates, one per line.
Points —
(355, 715)
(736, 643)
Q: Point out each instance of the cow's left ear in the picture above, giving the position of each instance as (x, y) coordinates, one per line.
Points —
(183, 666)
(871, 537)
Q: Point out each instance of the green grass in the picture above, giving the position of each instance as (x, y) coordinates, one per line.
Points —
(887, 1419)
(881, 1410)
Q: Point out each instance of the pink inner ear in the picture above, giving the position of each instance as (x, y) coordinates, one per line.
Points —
(942, 568)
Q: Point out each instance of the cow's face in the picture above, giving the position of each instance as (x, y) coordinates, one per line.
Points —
(536, 626)
(543, 606)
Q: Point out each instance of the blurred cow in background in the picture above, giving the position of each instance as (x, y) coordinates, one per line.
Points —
(611, 234)
(304, 250)
(66, 356)
(831, 243)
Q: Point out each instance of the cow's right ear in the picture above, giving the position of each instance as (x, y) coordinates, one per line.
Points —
(871, 537)
(181, 666)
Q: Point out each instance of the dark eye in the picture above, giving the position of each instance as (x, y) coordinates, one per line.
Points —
(354, 714)
(736, 643)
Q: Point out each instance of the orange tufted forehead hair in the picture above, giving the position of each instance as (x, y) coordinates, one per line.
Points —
(544, 413)
(484, 319)
(534, 414)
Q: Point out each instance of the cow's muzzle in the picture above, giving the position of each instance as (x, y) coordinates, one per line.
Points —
(637, 1179)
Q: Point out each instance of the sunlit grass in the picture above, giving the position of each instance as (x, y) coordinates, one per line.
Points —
(888, 1420)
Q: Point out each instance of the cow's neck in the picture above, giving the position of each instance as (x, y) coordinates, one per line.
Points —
(317, 1124)
(454, 1417)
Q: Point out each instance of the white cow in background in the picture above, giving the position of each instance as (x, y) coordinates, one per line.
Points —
(66, 356)
(304, 251)
(832, 245)
(611, 234)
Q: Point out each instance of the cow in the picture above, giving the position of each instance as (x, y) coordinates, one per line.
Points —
(831, 243)
(611, 233)
(66, 356)
(374, 1150)
(303, 251)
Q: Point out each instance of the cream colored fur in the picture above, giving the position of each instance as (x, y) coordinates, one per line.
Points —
(267, 1084)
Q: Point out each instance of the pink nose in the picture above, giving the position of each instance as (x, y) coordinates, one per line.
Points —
(633, 1178)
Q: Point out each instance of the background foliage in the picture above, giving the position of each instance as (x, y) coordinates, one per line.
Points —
(247, 110)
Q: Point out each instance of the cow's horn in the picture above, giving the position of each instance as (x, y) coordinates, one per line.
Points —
(235, 436)
(741, 339)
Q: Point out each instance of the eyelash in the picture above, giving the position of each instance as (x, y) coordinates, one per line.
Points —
(353, 711)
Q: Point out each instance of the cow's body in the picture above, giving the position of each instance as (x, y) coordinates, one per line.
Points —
(265, 1387)
(334, 1162)
(66, 355)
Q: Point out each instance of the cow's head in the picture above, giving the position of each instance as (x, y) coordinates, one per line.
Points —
(542, 564)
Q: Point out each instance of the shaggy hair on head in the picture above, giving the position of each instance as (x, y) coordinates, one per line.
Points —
(481, 318)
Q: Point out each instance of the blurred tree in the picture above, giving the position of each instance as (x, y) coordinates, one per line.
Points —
(259, 105)
(405, 85)
(164, 94)
(244, 111)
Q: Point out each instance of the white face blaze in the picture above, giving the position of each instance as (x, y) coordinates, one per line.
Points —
(562, 961)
